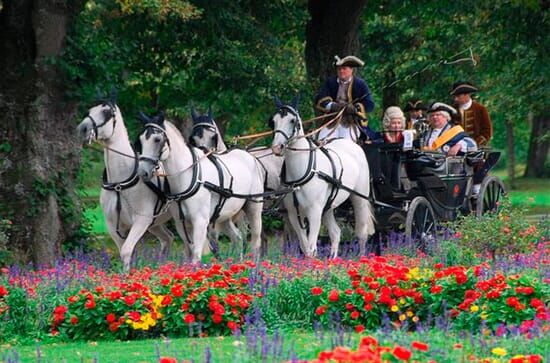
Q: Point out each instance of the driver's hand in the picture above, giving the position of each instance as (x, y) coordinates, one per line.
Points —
(453, 151)
(350, 109)
(337, 106)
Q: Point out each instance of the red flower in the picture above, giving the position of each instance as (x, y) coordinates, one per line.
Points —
(110, 318)
(177, 290)
(3, 291)
(129, 300)
(512, 301)
(321, 310)
(420, 346)
(134, 315)
(436, 289)
(90, 304)
(316, 290)
(401, 353)
(368, 297)
(60, 310)
(359, 328)
(354, 315)
(189, 318)
(232, 325)
(217, 318)
(73, 299)
(333, 295)
(74, 320)
(168, 360)
(114, 326)
(166, 300)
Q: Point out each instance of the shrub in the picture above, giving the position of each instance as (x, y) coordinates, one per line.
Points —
(497, 234)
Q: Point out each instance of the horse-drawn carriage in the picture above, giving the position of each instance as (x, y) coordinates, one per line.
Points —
(416, 190)
(394, 189)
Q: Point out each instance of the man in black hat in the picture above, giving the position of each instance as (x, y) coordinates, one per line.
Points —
(416, 109)
(345, 91)
(473, 117)
(442, 136)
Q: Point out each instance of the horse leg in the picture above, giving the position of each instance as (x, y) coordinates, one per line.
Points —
(292, 216)
(199, 228)
(183, 228)
(334, 232)
(364, 221)
(314, 217)
(229, 228)
(136, 232)
(165, 236)
(253, 212)
(119, 241)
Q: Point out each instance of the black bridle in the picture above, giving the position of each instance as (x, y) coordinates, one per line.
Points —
(107, 119)
(283, 110)
(151, 128)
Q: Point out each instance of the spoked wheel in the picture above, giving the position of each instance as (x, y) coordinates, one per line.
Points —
(491, 193)
(420, 225)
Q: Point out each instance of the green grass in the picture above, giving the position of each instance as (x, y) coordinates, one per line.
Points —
(303, 345)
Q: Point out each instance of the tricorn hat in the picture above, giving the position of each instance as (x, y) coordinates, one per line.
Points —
(463, 87)
(440, 106)
(415, 105)
(349, 61)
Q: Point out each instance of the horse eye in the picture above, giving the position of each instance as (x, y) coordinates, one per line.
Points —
(157, 140)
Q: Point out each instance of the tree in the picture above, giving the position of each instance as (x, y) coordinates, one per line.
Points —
(332, 30)
(539, 146)
(38, 150)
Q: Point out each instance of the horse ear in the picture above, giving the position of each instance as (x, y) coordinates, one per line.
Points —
(113, 95)
(277, 101)
(210, 112)
(194, 114)
(159, 118)
(144, 118)
(295, 102)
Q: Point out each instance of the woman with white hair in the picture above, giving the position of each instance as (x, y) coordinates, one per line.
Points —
(393, 123)
(444, 137)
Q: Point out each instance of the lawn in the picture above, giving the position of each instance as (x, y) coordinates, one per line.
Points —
(443, 346)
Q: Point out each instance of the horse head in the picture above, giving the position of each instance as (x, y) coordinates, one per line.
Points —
(100, 122)
(285, 123)
(154, 143)
(205, 131)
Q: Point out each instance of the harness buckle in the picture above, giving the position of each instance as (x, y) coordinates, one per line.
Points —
(118, 188)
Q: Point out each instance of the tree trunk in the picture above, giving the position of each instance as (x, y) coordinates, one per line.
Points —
(539, 146)
(511, 154)
(39, 152)
(390, 95)
(332, 30)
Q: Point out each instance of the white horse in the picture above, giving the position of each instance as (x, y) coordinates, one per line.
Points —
(206, 135)
(195, 183)
(130, 206)
(324, 179)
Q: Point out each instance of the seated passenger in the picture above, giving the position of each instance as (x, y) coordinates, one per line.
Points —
(393, 123)
(444, 137)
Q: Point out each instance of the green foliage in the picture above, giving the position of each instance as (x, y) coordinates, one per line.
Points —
(499, 234)
(508, 39)
(230, 55)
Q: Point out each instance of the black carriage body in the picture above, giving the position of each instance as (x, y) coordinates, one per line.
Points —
(398, 177)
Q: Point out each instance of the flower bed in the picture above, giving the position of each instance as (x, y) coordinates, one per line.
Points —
(80, 301)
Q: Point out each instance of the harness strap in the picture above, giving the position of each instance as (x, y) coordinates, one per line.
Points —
(117, 187)
(334, 188)
(223, 192)
(193, 186)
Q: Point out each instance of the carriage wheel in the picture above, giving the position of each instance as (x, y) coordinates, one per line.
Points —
(490, 194)
(420, 225)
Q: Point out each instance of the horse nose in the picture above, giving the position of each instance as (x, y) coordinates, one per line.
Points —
(277, 150)
(82, 131)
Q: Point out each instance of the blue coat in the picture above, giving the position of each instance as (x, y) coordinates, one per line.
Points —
(357, 91)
